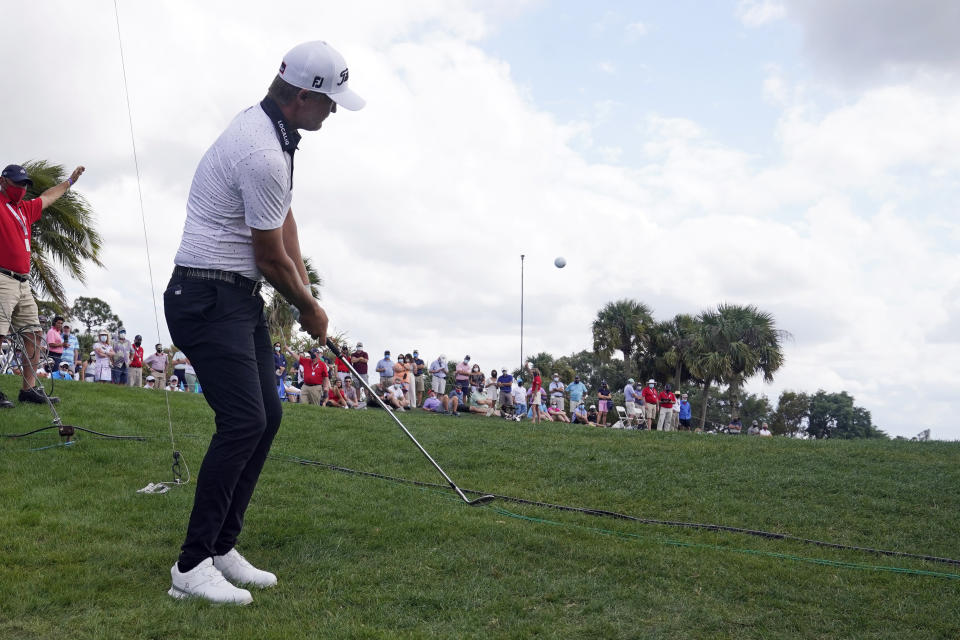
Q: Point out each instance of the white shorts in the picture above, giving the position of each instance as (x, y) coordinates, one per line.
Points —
(632, 409)
(439, 385)
(101, 371)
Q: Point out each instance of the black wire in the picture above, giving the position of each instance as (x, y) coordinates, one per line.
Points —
(622, 516)
(109, 436)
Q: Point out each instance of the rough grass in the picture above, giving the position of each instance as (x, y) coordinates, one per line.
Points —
(84, 556)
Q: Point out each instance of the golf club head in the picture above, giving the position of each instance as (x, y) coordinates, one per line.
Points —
(481, 500)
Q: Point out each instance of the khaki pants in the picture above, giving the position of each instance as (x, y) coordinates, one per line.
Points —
(134, 377)
(17, 306)
(312, 394)
(161, 379)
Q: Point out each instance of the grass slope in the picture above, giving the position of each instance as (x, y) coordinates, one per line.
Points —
(84, 556)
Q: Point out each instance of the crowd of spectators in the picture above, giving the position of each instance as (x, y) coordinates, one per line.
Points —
(317, 377)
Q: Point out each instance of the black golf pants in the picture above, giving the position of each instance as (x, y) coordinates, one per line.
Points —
(222, 330)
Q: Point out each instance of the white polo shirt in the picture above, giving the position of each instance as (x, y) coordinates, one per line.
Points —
(243, 182)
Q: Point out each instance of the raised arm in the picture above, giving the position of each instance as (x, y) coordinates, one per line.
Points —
(52, 194)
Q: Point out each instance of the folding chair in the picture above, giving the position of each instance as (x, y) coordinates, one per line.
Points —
(623, 422)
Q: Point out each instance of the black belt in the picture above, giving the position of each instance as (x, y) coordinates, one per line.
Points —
(13, 274)
(235, 279)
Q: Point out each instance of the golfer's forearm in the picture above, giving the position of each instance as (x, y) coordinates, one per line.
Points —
(291, 244)
(280, 271)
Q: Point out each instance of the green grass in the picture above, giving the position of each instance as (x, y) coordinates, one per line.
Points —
(84, 556)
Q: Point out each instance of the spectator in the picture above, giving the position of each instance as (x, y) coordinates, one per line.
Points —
(443, 404)
(580, 414)
(541, 408)
(457, 394)
(754, 429)
(735, 426)
(291, 392)
(359, 359)
(173, 384)
(480, 403)
(410, 385)
(476, 379)
(135, 370)
(122, 356)
(385, 369)
(279, 363)
(335, 397)
(438, 375)
(395, 396)
(62, 372)
(104, 354)
(685, 412)
(651, 400)
(666, 400)
(55, 340)
(576, 391)
(71, 350)
(158, 365)
(48, 367)
(179, 364)
(462, 378)
(765, 430)
(675, 416)
(316, 378)
(151, 383)
(190, 382)
(88, 369)
(558, 415)
(350, 393)
(505, 388)
(593, 416)
(634, 408)
(536, 393)
(557, 392)
(492, 388)
(604, 402)
(519, 400)
(342, 370)
(419, 375)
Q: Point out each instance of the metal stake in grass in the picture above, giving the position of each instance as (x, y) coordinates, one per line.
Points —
(356, 376)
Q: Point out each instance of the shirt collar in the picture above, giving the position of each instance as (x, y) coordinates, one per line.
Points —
(288, 137)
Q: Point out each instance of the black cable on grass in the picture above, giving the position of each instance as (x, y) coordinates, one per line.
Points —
(109, 436)
(771, 535)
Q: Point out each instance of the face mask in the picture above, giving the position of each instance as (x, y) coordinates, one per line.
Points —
(123, 336)
(159, 349)
(650, 385)
(277, 349)
(103, 338)
(15, 193)
(137, 342)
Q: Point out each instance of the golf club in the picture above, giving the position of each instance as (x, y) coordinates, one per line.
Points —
(356, 376)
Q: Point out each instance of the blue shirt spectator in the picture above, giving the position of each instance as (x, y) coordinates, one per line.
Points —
(70, 346)
(684, 410)
(576, 391)
(505, 382)
(630, 394)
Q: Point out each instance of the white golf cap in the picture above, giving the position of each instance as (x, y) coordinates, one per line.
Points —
(316, 66)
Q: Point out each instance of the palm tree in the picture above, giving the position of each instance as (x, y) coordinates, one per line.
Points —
(731, 345)
(63, 235)
(671, 345)
(279, 314)
(622, 325)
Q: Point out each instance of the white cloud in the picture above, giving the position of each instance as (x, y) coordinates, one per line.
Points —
(636, 30)
(754, 13)
(607, 67)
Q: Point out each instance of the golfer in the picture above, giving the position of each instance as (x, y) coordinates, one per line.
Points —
(18, 309)
(240, 228)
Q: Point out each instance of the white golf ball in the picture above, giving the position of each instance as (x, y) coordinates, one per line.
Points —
(560, 263)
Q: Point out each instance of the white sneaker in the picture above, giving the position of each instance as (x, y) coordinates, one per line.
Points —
(236, 569)
(205, 581)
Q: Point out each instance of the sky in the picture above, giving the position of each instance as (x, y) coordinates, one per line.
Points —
(798, 155)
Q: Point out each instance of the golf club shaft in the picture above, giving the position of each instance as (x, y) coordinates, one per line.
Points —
(336, 351)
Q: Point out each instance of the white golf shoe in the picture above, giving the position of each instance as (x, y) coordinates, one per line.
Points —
(205, 581)
(236, 569)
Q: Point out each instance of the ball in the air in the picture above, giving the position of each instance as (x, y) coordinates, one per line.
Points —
(560, 263)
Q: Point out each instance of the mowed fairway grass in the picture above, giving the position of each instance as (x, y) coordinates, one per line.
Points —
(85, 556)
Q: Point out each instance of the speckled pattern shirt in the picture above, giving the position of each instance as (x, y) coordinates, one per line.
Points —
(243, 181)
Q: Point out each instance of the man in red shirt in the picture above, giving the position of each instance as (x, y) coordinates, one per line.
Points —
(650, 401)
(135, 370)
(18, 309)
(315, 377)
(666, 399)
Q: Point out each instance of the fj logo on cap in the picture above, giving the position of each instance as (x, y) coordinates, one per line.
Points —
(283, 67)
(317, 82)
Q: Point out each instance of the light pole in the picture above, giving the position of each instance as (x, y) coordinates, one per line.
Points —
(521, 313)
